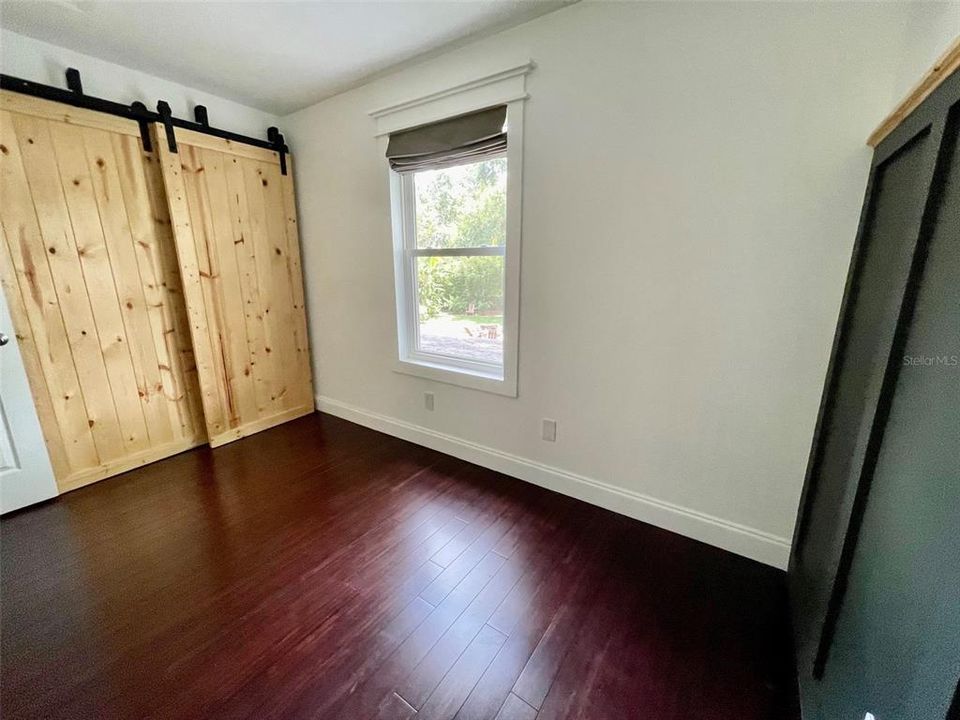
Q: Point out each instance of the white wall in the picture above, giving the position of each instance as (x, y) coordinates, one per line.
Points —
(692, 186)
(931, 29)
(31, 59)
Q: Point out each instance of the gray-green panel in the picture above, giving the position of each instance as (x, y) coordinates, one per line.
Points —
(897, 648)
(899, 196)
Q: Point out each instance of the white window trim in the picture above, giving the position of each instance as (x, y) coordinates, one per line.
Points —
(505, 87)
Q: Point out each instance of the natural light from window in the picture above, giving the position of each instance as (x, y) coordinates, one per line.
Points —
(460, 244)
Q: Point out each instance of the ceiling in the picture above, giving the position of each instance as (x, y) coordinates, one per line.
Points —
(276, 56)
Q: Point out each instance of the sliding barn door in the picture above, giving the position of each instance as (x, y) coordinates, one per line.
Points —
(91, 279)
(234, 222)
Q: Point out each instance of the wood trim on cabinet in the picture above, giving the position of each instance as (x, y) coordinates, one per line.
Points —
(945, 65)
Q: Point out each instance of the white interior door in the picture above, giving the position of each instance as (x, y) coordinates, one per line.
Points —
(26, 476)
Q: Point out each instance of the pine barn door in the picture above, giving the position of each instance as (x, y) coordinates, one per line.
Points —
(235, 227)
(90, 275)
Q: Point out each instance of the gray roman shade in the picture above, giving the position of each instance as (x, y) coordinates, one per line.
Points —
(458, 140)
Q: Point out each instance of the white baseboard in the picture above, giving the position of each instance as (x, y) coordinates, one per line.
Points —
(749, 542)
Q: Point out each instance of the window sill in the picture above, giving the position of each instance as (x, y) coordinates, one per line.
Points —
(472, 379)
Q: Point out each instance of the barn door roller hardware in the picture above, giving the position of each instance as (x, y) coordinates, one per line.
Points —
(141, 112)
(73, 81)
(274, 136)
(166, 117)
(138, 112)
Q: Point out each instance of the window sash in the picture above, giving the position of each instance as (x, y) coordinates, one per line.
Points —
(417, 354)
(411, 252)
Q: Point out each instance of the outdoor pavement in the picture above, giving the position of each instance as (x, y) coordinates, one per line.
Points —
(446, 336)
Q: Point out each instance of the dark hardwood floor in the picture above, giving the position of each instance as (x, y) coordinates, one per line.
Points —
(322, 570)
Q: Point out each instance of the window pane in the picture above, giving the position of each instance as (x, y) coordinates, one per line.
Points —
(461, 307)
(462, 206)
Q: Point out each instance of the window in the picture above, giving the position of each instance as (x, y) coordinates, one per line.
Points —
(455, 193)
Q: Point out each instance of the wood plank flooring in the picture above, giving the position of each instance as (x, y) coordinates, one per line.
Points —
(323, 570)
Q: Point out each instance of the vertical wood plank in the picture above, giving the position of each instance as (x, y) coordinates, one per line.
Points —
(259, 248)
(204, 237)
(231, 306)
(248, 233)
(103, 164)
(145, 239)
(295, 272)
(27, 271)
(281, 296)
(60, 249)
(186, 245)
(177, 324)
(95, 261)
(27, 344)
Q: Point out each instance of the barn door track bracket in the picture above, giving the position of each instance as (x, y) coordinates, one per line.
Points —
(74, 96)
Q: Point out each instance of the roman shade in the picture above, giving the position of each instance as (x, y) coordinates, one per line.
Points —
(458, 140)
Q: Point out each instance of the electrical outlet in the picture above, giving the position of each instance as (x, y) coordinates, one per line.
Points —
(428, 400)
(549, 430)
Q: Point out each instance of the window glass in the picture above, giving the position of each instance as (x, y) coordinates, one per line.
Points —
(463, 206)
(460, 302)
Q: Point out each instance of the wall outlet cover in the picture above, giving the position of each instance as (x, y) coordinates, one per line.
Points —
(549, 430)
